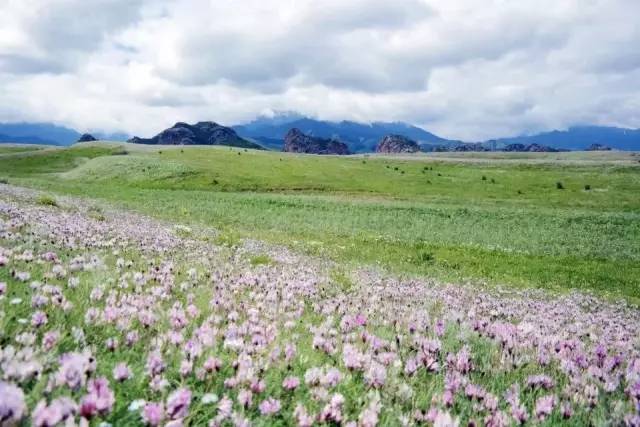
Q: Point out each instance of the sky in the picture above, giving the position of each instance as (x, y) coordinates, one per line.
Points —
(463, 69)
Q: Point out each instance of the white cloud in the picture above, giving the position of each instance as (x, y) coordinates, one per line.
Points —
(464, 69)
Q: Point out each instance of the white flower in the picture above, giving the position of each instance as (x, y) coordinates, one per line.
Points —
(135, 405)
(16, 301)
(209, 398)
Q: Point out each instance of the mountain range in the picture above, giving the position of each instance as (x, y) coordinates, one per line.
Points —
(269, 132)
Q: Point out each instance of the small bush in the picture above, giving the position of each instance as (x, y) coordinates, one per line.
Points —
(559, 185)
(493, 181)
(519, 192)
(484, 178)
(395, 169)
(587, 187)
(4, 181)
(47, 200)
(439, 174)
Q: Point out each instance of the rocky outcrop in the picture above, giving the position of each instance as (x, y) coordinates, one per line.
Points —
(397, 144)
(201, 133)
(534, 148)
(297, 142)
(598, 147)
(86, 137)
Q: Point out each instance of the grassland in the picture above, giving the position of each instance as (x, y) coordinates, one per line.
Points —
(485, 218)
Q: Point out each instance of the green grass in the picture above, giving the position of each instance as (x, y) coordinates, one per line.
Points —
(418, 215)
(11, 148)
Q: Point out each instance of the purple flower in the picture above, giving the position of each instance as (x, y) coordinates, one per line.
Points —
(12, 405)
(291, 383)
(269, 406)
(540, 381)
(153, 413)
(178, 403)
(376, 375)
(544, 406)
(121, 372)
(225, 407)
(98, 400)
(39, 318)
(245, 397)
(59, 410)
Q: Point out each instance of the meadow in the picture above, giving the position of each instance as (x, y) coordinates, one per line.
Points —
(175, 286)
(492, 218)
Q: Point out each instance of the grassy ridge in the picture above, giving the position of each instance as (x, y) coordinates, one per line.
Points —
(494, 221)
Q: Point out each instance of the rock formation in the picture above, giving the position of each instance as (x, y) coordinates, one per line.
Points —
(297, 142)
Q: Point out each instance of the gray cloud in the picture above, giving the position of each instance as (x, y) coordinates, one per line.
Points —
(462, 68)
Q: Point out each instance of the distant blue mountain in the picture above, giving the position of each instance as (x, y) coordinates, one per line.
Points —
(38, 133)
(48, 133)
(8, 139)
(579, 138)
(360, 137)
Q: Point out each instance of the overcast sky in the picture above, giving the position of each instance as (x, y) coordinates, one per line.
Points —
(465, 69)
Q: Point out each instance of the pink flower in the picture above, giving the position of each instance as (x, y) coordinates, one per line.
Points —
(178, 403)
(59, 410)
(302, 417)
(212, 364)
(99, 400)
(269, 406)
(3, 288)
(225, 407)
(544, 406)
(153, 413)
(245, 397)
(291, 383)
(376, 375)
(121, 372)
(155, 365)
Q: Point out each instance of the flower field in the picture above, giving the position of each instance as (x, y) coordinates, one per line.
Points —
(114, 318)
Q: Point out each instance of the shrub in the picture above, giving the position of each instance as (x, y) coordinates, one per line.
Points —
(493, 181)
(4, 181)
(587, 187)
(559, 185)
(47, 200)
(484, 178)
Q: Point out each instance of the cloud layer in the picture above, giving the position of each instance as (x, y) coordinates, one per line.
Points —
(463, 69)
